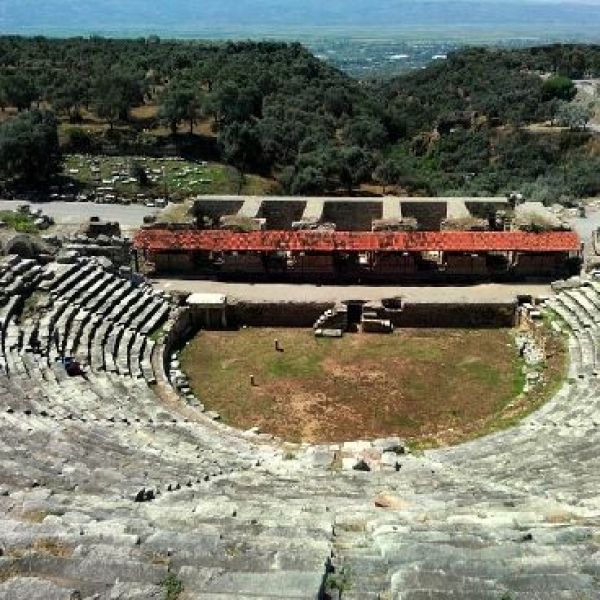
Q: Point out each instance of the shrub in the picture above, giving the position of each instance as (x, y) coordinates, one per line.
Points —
(172, 586)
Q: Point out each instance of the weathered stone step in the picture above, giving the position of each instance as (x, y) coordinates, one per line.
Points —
(34, 588)
(195, 595)
(546, 583)
(416, 578)
(94, 570)
(296, 585)
(449, 594)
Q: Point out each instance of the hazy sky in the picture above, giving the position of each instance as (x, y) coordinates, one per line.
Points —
(37, 16)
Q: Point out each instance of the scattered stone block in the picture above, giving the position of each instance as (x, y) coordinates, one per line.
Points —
(391, 444)
(361, 465)
(329, 333)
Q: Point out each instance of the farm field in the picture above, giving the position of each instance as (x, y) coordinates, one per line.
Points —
(429, 386)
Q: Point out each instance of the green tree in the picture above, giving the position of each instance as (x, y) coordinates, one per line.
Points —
(231, 103)
(366, 132)
(356, 165)
(78, 140)
(115, 96)
(17, 90)
(558, 87)
(206, 72)
(29, 150)
(338, 101)
(239, 146)
(387, 173)
(308, 181)
(574, 115)
(179, 104)
(139, 172)
(327, 160)
(70, 98)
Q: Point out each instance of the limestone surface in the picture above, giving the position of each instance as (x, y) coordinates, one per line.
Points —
(112, 487)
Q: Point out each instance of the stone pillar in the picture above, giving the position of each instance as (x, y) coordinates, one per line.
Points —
(313, 211)
(251, 207)
(392, 208)
(457, 209)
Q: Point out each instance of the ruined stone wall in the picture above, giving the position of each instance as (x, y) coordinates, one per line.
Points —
(276, 314)
(247, 264)
(429, 215)
(215, 209)
(466, 264)
(540, 265)
(456, 315)
(281, 215)
(483, 209)
(178, 329)
(119, 254)
(172, 262)
(352, 216)
(304, 314)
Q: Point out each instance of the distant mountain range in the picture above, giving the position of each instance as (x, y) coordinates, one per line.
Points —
(252, 18)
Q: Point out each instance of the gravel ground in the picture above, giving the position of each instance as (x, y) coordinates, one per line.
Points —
(267, 292)
(75, 213)
(585, 227)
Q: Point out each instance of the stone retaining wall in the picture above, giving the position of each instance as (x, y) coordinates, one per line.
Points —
(456, 315)
(304, 314)
(177, 331)
(276, 314)
(281, 215)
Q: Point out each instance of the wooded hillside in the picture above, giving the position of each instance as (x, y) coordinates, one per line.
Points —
(275, 109)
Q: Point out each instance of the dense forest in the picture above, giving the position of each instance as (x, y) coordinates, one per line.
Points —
(460, 125)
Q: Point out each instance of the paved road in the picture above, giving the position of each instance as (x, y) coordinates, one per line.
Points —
(131, 217)
(75, 213)
(281, 292)
(593, 127)
(585, 227)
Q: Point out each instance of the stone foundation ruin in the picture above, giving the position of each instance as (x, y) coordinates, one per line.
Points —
(362, 240)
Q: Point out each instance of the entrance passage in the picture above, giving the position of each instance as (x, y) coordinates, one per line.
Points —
(355, 311)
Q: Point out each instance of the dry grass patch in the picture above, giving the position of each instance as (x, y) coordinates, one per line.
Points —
(160, 559)
(8, 573)
(34, 516)
(144, 112)
(429, 386)
(177, 213)
(52, 547)
(560, 517)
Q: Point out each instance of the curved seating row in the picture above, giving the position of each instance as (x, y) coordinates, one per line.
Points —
(107, 488)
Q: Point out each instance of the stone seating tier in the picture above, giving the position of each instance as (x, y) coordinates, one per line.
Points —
(108, 485)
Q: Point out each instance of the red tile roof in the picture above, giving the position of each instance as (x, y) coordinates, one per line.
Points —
(163, 240)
